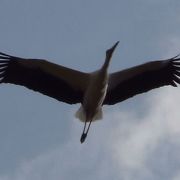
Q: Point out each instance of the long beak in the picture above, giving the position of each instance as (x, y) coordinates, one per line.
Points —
(110, 51)
(115, 45)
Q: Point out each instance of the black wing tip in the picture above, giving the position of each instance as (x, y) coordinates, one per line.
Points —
(176, 70)
(3, 71)
(4, 58)
(4, 63)
(4, 54)
(175, 58)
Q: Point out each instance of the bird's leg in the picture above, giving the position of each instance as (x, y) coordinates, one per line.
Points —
(84, 134)
(88, 127)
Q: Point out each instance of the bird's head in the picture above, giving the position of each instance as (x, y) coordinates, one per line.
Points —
(110, 51)
(109, 54)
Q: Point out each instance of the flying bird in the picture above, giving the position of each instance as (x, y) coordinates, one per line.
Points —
(92, 90)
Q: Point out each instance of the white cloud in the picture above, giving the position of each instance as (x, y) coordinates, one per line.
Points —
(117, 147)
(142, 137)
(177, 176)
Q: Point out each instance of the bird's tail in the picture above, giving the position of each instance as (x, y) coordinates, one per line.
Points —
(81, 115)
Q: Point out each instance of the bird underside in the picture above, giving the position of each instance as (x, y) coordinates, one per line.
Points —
(81, 115)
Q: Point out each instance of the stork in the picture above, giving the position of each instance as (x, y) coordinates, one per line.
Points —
(92, 90)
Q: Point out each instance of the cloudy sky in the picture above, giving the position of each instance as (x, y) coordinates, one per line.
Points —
(137, 139)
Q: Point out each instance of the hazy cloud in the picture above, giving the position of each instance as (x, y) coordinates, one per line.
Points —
(129, 148)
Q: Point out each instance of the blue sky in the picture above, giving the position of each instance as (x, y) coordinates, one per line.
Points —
(137, 139)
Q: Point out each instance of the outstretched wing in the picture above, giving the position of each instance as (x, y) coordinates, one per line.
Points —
(64, 84)
(127, 83)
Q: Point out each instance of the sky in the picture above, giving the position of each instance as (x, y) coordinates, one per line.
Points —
(137, 139)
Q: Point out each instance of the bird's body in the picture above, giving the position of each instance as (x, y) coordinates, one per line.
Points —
(92, 90)
(91, 108)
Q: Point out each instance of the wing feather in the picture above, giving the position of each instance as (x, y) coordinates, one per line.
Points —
(130, 82)
(64, 84)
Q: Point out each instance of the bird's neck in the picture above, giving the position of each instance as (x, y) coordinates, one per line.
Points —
(106, 64)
